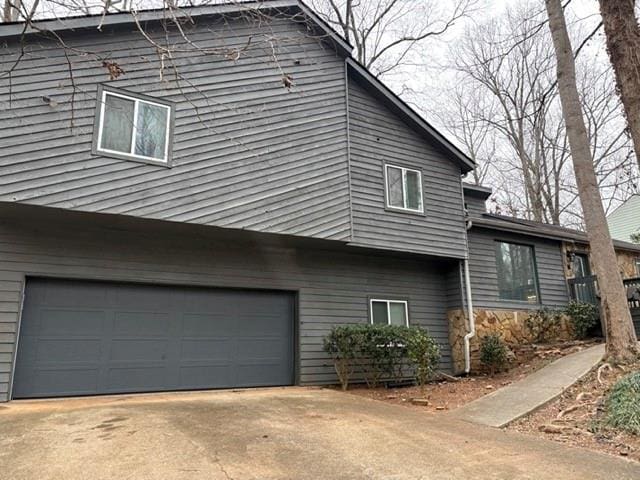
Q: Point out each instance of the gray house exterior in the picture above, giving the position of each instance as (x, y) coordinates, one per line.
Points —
(557, 270)
(624, 221)
(225, 261)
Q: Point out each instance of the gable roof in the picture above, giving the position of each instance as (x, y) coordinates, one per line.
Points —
(538, 229)
(360, 73)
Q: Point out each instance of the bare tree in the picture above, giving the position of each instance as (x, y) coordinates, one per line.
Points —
(387, 33)
(622, 345)
(623, 45)
(506, 71)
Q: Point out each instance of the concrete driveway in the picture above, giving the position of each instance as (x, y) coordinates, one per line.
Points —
(291, 433)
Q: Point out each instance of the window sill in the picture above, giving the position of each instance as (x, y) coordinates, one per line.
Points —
(405, 211)
(129, 158)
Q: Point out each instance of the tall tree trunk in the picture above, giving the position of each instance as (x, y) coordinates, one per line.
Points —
(622, 345)
(623, 45)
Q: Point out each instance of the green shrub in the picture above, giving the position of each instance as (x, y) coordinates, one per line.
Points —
(622, 406)
(424, 353)
(343, 345)
(493, 352)
(381, 352)
(583, 317)
(544, 324)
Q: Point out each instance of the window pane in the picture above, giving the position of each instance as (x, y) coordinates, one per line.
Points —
(379, 312)
(117, 124)
(151, 130)
(581, 266)
(414, 191)
(398, 316)
(394, 187)
(516, 272)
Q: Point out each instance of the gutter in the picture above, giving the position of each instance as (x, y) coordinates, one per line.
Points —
(472, 320)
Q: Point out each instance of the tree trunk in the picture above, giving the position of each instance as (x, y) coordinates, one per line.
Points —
(623, 45)
(622, 345)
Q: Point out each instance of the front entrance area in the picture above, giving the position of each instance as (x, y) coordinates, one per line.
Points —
(86, 338)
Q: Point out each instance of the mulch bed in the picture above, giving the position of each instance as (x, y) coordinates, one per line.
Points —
(446, 394)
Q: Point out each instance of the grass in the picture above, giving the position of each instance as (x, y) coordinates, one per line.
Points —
(622, 407)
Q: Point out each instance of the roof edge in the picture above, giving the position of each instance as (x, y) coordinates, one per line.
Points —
(122, 18)
(394, 102)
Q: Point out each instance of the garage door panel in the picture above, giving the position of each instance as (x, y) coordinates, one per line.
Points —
(138, 378)
(55, 350)
(67, 322)
(141, 323)
(208, 324)
(216, 349)
(138, 338)
(140, 349)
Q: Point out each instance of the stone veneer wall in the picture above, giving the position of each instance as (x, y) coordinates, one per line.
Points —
(626, 260)
(509, 324)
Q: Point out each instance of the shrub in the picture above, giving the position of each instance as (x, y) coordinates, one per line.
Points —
(622, 406)
(342, 344)
(544, 324)
(381, 352)
(583, 317)
(493, 352)
(424, 353)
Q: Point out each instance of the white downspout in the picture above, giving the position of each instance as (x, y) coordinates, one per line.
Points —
(472, 320)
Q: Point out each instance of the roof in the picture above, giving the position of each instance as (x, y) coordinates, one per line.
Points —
(477, 191)
(360, 73)
(625, 220)
(538, 229)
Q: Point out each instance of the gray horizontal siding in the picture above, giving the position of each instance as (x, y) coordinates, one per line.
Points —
(484, 278)
(247, 153)
(475, 206)
(378, 136)
(333, 285)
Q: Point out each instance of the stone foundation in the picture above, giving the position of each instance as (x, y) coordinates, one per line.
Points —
(509, 324)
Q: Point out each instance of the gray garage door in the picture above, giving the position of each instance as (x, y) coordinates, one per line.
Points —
(82, 338)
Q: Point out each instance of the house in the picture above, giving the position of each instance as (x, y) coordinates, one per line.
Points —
(624, 221)
(195, 207)
(518, 267)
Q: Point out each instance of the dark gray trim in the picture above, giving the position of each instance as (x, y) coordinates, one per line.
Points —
(398, 106)
(138, 96)
(346, 98)
(478, 191)
(12, 372)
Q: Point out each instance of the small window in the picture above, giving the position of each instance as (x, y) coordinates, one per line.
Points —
(133, 127)
(389, 312)
(404, 188)
(581, 266)
(517, 278)
(638, 266)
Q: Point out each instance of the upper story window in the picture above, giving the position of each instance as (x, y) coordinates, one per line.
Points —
(389, 312)
(133, 126)
(517, 277)
(403, 188)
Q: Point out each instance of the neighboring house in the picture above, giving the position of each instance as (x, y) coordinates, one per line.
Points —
(204, 230)
(519, 266)
(624, 221)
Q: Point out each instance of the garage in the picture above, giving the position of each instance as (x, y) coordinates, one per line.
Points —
(87, 338)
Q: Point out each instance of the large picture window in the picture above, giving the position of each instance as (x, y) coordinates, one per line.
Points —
(133, 126)
(517, 278)
(404, 189)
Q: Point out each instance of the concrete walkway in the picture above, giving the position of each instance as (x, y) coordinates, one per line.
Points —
(520, 398)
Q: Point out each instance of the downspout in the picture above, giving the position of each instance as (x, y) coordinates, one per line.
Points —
(470, 316)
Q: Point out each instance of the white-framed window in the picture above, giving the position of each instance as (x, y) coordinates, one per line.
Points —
(133, 126)
(389, 312)
(403, 188)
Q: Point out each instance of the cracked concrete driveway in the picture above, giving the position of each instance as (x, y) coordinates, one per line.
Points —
(289, 433)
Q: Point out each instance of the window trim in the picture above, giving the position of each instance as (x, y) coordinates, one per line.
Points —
(97, 149)
(536, 277)
(638, 266)
(389, 302)
(404, 170)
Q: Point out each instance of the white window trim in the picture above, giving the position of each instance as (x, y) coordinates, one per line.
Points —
(404, 171)
(137, 101)
(389, 302)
